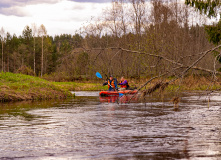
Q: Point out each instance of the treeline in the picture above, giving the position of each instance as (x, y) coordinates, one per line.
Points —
(131, 38)
(36, 50)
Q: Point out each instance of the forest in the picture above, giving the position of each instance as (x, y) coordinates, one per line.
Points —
(134, 38)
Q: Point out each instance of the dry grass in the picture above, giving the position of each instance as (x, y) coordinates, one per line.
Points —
(190, 83)
(158, 85)
(199, 83)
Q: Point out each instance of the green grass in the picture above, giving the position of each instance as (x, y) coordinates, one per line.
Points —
(14, 87)
(18, 87)
(74, 86)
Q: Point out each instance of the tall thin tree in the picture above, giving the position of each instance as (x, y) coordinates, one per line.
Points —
(42, 32)
(2, 32)
(34, 31)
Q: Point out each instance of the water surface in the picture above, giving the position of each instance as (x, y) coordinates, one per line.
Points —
(86, 128)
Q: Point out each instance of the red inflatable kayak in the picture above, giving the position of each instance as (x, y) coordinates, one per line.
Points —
(116, 93)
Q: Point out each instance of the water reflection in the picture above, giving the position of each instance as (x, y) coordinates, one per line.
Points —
(93, 128)
(119, 99)
(19, 109)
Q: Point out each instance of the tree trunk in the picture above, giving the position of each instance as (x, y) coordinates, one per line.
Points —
(42, 57)
(34, 55)
(2, 57)
(8, 63)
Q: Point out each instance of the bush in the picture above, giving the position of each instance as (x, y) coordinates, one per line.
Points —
(25, 70)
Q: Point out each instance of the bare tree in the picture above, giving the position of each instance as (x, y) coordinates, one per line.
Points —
(42, 32)
(138, 17)
(2, 32)
(34, 31)
(112, 19)
(123, 18)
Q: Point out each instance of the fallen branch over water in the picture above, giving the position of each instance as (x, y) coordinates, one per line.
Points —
(179, 76)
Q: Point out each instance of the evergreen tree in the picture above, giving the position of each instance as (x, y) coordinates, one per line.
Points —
(211, 8)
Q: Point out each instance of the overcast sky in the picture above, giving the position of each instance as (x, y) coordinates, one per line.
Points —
(58, 16)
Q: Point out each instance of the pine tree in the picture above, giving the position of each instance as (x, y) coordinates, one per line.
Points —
(211, 8)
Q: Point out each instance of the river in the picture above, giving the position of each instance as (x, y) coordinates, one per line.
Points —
(87, 127)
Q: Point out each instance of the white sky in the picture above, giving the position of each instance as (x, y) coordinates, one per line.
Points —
(58, 16)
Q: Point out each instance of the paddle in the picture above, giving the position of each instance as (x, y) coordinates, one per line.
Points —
(100, 76)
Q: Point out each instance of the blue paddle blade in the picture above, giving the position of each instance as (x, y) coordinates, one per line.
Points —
(98, 75)
(120, 94)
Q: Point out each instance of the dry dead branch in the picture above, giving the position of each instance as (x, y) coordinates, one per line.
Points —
(175, 101)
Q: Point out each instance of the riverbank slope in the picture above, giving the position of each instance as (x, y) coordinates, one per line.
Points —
(19, 87)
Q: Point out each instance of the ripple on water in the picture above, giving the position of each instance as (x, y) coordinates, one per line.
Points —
(84, 128)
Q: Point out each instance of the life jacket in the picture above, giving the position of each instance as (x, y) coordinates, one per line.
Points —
(124, 86)
(111, 84)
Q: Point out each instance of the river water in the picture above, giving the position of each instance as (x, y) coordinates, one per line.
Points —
(87, 127)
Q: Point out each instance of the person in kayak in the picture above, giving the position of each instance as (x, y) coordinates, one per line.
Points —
(112, 84)
(124, 84)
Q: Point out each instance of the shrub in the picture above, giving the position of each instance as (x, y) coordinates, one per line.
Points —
(26, 70)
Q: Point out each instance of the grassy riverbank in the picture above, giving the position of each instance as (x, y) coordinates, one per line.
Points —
(77, 86)
(189, 83)
(18, 87)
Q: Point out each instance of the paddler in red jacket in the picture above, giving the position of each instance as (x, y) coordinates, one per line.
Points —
(124, 84)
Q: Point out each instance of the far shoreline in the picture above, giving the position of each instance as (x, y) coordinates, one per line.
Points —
(19, 87)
